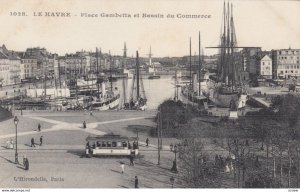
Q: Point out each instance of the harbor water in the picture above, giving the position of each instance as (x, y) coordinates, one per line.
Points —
(156, 90)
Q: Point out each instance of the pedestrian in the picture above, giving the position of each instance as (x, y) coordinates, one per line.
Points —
(122, 167)
(216, 160)
(131, 160)
(147, 142)
(136, 182)
(41, 140)
(25, 163)
(84, 124)
(39, 127)
(91, 113)
(32, 142)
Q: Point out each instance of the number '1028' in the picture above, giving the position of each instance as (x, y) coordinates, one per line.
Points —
(17, 13)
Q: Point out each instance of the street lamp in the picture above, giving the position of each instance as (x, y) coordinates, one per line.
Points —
(174, 149)
(16, 121)
(137, 136)
(172, 181)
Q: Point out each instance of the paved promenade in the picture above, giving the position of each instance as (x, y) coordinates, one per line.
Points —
(60, 161)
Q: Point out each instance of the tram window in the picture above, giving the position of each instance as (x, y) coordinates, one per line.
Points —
(108, 144)
(119, 144)
(124, 144)
(98, 144)
(103, 144)
(94, 146)
(114, 144)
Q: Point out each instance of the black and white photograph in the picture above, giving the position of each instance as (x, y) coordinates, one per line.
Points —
(156, 94)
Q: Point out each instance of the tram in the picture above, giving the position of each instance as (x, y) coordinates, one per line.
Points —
(111, 144)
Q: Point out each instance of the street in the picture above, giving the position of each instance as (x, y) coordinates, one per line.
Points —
(60, 161)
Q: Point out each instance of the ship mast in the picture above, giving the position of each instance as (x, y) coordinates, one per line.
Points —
(199, 68)
(137, 76)
(190, 61)
(124, 59)
(110, 63)
(97, 68)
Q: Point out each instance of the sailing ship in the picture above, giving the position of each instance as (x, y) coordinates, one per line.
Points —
(107, 99)
(138, 100)
(191, 92)
(227, 91)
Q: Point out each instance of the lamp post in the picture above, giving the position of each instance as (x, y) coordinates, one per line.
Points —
(159, 127)
(16, 121)
(174, 149)
(137, 136)
(172, 181)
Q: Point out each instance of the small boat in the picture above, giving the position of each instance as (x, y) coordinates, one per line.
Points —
(154, 77)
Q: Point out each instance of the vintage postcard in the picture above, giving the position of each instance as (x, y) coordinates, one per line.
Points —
(149, 94)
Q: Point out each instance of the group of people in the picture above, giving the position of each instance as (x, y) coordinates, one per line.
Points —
(135, 145)
(224, 163)
(33, 143)
(136, 180)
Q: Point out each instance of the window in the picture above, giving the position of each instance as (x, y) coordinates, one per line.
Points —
(98, 144)
(263, 63)
(104, 144)
(124, 144)
(114, 144)
(119, 144)
(108, 144)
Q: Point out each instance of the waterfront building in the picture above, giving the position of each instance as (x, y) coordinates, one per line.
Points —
(14, 63)
(28, 67)
(42, 57)
(251, 60)
(265, 68)
(4, 70)
(286, 63)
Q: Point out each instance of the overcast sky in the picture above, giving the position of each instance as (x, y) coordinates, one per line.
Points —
(268, 24)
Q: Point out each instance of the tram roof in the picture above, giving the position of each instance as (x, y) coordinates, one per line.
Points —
(109, 138)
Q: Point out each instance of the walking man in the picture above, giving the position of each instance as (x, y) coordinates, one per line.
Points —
(32, 142)
(122, 167)
(41, 140)
(84, 124)
(131, 160)
(39, 127)
(136, 182)
(147, 142)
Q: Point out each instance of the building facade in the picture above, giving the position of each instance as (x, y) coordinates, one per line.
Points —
(266, 67)
(286, 63)
(4, 70)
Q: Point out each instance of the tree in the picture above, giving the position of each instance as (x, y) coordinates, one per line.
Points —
(195, 167)
(172, 114)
